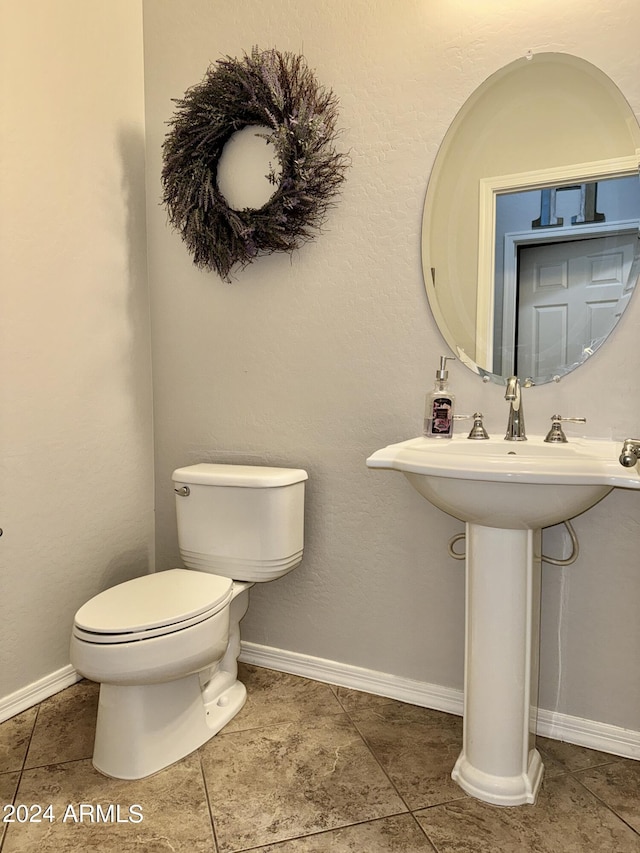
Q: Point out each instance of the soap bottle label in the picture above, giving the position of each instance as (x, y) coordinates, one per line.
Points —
(441, 416)
(439, 420)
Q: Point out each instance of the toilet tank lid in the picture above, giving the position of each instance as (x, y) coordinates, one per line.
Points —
(248, 476)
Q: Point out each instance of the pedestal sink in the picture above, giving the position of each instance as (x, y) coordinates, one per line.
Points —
(505, 492)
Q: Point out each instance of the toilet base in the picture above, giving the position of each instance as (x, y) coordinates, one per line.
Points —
(143, 728)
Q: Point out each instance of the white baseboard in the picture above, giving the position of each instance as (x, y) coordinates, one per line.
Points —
(33, 693)
(551, 724)
(344, 675)
(589, 733)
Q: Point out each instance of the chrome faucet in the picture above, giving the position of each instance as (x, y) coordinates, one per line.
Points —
(515, 426)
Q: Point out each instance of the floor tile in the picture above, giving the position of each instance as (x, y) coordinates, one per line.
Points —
(15, 735)
(357, 700)
(172, 803)
(570, 757)
(565, 819)
(8, 785)
(417, 748)
(279, 782)
(618, 784)
(550, 765)
(300, 771)
(65, 727)
(277, 697)
(398, 834)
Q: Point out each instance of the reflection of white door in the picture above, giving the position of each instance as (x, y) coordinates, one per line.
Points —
(568, 294)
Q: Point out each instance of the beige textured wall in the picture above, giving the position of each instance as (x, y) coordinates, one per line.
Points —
(319, 359)
(76, 484)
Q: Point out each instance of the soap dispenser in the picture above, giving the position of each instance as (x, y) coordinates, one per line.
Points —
(438, 409)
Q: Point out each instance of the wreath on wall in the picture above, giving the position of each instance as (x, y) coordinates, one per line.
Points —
(280, 92)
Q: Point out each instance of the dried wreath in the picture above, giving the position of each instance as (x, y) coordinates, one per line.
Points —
(269, 88)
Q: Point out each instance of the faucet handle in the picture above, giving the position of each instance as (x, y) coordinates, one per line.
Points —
(630, 452)
(478, 432)
(556, 433)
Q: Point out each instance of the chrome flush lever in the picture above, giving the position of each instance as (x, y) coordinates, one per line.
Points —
(183, 491)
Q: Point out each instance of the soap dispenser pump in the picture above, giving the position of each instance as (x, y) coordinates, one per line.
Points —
(439, 404)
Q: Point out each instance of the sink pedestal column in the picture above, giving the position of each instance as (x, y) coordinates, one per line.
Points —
(499, 763)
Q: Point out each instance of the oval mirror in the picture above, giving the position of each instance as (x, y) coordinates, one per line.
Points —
(530, 246)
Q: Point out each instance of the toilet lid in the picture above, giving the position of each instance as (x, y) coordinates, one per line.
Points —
(155, 601)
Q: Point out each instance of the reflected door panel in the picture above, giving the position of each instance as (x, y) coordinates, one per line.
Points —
(568, 298)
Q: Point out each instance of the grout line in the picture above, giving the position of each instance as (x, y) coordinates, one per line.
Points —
(462, 796)
(600, 800)
(20, 771)
(424, 832)
(377, 760)
(318, 832)
(289, 722)
(33, 728)
(62, 763)
(206, 793)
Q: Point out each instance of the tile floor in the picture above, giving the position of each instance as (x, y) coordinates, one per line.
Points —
(304, 768)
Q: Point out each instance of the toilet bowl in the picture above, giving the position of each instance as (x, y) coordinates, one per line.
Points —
(164, 646)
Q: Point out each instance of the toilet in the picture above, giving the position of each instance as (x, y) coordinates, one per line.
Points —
(164, 647)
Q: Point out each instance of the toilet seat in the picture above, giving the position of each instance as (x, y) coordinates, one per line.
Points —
(152, 606)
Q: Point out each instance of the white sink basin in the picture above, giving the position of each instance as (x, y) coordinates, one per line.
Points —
(506, 492)
(507, 484)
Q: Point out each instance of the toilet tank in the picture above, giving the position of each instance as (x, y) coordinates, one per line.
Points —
(240, 521)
